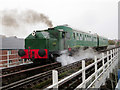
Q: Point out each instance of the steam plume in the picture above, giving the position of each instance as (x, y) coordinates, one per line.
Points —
(65, 59)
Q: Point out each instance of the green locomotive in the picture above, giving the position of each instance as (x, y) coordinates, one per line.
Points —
(47, 43)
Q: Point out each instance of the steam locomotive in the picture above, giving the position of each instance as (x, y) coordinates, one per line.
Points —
(42, 45)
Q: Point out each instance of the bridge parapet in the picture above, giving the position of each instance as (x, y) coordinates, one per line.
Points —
(96, 79)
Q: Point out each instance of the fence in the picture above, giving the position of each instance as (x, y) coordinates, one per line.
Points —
(94, 80)
(10, 60)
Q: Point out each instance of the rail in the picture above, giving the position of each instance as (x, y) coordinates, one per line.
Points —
(108, 62)
(11, 60)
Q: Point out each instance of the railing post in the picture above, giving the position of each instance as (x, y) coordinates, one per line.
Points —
(8, 59)
(103, 66)
(95, 67)
(117, 54)
(108, 62)
(55, 78)
(103, 61)
(113, 54)
(96, 73)
(83, 73)
(111, 60)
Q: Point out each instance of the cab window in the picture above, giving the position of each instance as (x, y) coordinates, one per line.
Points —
(68, 35)
(63, 34)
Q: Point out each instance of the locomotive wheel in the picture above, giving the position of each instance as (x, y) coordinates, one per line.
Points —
(21, 52)
(41, 52)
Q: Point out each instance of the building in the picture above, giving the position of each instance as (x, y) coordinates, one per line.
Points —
(8, 50)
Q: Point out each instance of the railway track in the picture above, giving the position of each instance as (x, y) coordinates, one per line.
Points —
(18, 68)
(8, 78)
(44, 79)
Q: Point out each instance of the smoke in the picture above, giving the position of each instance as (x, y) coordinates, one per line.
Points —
(12, 18)
(9, 21)
(65, 59)
(14, 21)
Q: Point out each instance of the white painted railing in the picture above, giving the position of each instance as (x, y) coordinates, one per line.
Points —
(99, 75)
(11, 62)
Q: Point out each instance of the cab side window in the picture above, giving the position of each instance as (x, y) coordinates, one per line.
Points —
(63, 34)
(68, 35)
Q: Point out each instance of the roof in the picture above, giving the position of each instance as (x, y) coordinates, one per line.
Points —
(11, 43)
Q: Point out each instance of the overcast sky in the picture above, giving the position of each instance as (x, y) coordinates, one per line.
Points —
(97, 16)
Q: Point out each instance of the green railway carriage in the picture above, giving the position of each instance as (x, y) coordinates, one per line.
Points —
(59, 38)
(102, 42)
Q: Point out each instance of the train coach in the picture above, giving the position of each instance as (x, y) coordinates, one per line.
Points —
(42, 45)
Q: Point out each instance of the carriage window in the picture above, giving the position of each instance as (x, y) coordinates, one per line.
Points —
(77, 34)
(85, 37)
(90, 38)
(74, 35)
(80, 37)
(94, 38)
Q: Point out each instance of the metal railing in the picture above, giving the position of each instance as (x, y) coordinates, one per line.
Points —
(11, 60)
(103, 71)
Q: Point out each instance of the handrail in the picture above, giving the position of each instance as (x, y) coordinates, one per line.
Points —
(106, 67)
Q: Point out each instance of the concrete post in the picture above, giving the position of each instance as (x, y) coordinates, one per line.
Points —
(117, 57)
(113, 54)
(96, 73)
(111, 61)
(108, 62)
(116, 62)
(55, 78)
(103, 61)
(95, 66)
(103, 66)
(83, 73)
